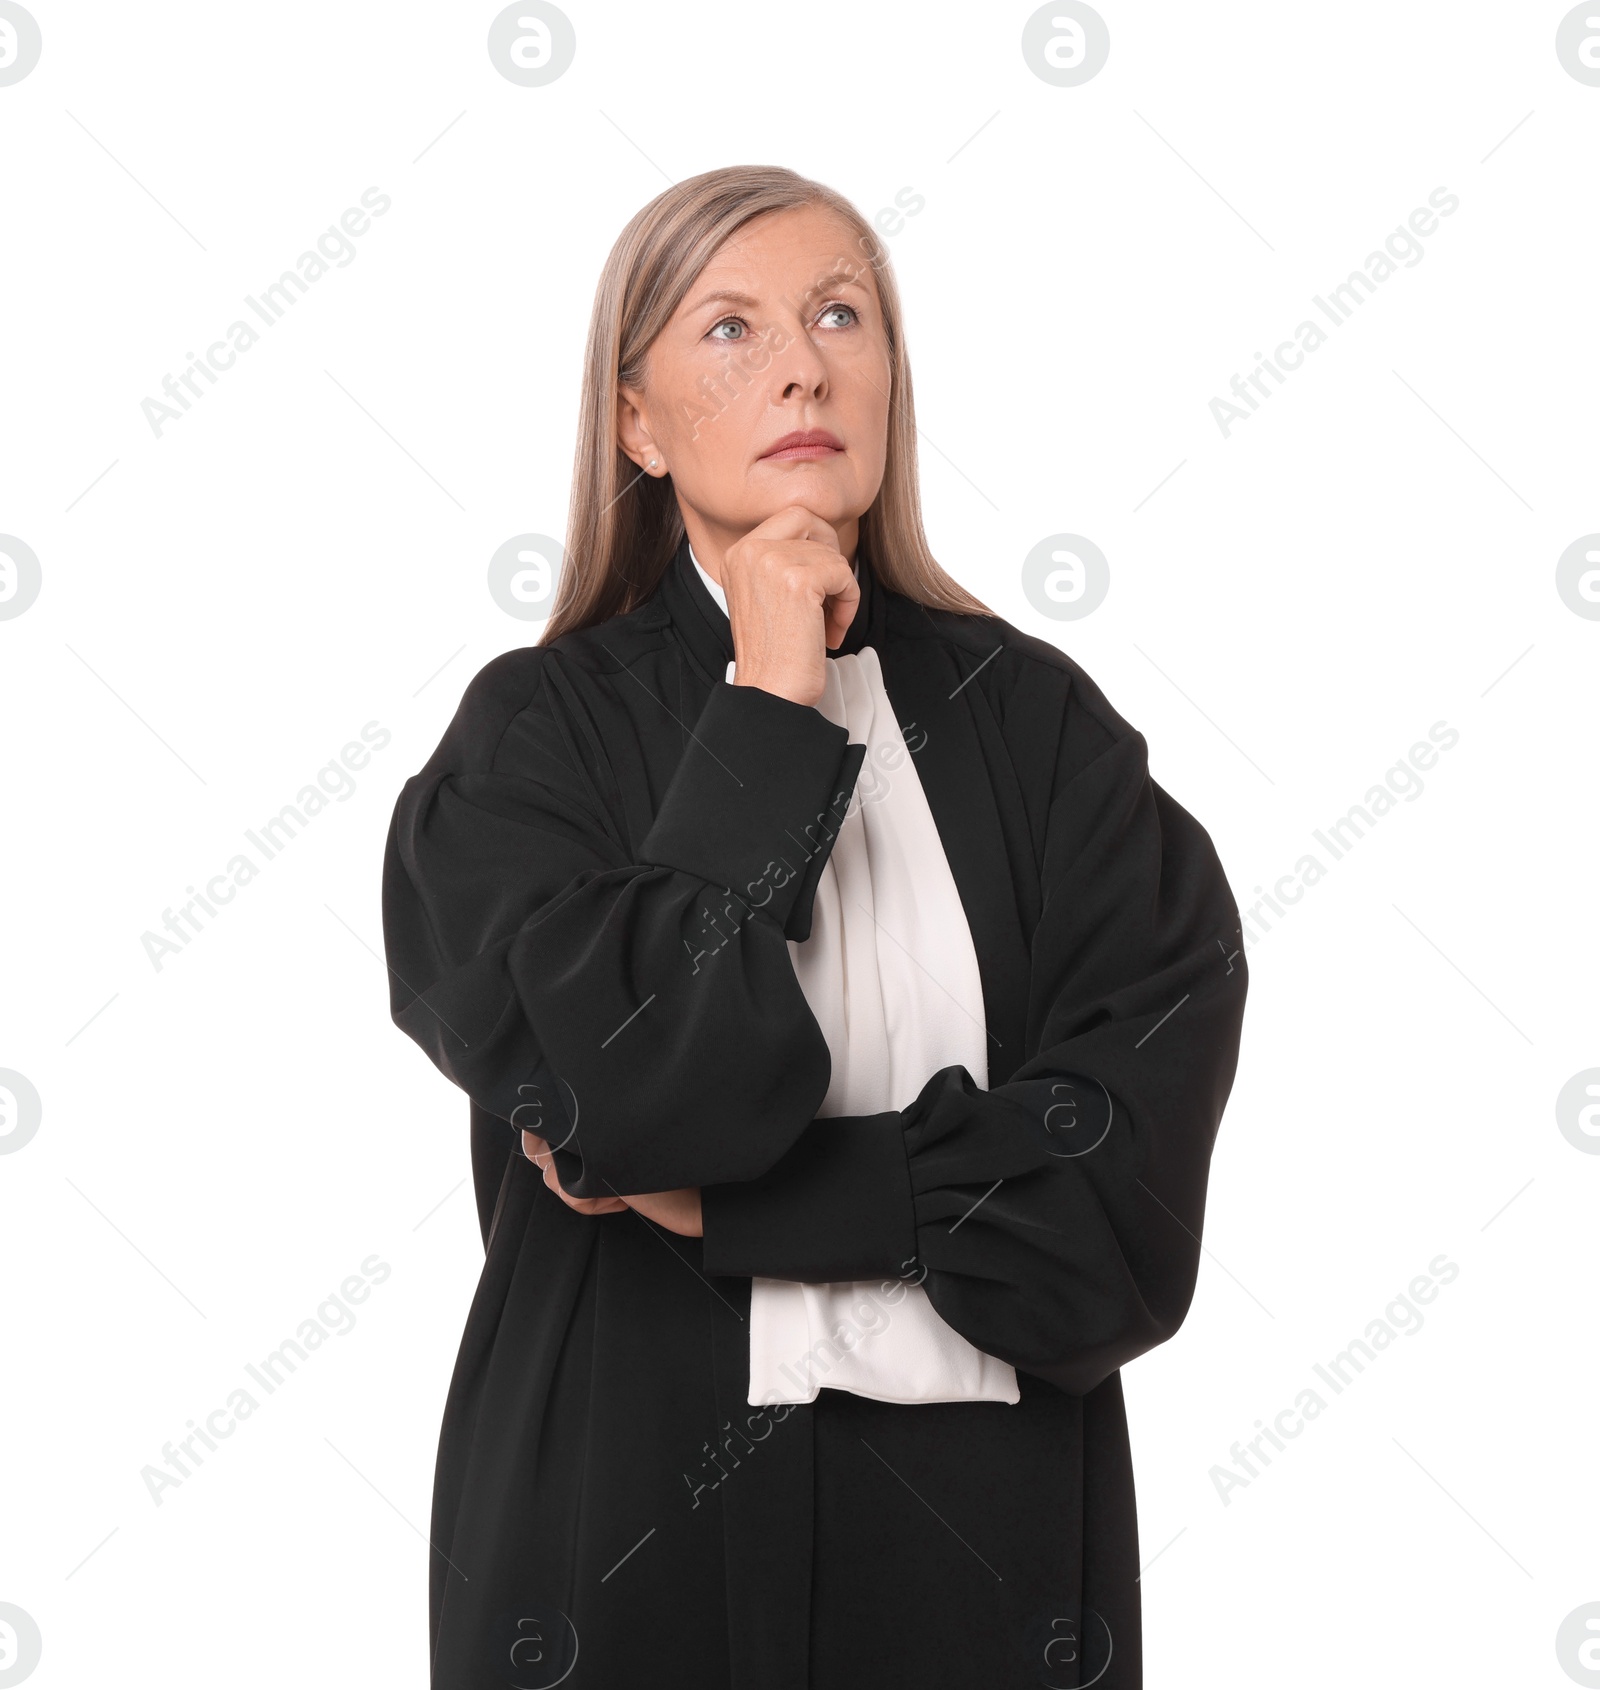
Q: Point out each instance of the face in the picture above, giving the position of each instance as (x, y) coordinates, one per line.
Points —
(780, 335)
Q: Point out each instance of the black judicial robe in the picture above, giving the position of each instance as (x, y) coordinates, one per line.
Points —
(587, 893)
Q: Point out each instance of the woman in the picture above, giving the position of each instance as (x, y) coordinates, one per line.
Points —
(847, 1018)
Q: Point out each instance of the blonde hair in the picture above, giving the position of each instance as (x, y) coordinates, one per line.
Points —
(623, 526)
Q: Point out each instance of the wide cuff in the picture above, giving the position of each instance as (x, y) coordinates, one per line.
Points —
(837, 1207)
(757, 801)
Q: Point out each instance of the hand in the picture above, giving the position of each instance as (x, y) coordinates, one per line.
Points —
(791, 595)
(678, 1211)
(538, 1152)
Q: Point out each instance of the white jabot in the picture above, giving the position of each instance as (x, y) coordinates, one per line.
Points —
(892, 977)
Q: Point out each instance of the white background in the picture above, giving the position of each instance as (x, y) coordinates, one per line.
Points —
(225, 1139)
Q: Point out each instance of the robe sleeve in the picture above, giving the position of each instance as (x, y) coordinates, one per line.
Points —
(636, 1008)
(1054, 1221)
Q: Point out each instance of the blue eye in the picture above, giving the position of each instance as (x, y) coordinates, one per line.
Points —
(850, 310)
(727, 323)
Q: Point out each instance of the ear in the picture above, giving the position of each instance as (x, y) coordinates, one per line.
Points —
(633, 432)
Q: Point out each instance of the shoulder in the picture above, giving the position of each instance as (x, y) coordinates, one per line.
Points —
(1035, 691)
(536, 697)
(1047, 730)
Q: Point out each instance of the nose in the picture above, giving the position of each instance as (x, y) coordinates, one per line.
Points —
(799, 370)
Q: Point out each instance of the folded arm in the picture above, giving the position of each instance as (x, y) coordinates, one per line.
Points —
(637, 1009)
(1054, 1220)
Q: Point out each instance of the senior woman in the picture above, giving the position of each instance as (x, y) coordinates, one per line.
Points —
(846, 1016)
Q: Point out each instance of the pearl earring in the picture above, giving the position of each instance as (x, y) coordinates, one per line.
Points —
(653, 462)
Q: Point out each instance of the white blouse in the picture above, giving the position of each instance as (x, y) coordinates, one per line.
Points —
(891, 975)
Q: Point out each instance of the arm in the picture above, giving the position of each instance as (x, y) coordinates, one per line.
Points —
(628, 1006)
(1057, 1216)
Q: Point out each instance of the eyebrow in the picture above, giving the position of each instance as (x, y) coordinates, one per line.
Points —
(731, 296)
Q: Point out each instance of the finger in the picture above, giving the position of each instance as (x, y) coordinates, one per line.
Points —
(830, 573)
(838, 613)
(593, 1205)
(841, 596)
(797, 522)
(817, 530)
(538, 1152)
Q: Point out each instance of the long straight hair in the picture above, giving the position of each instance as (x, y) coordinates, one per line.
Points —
(624, 526)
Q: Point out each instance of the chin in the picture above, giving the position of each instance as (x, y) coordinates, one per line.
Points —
(834, 512)
(813, 485)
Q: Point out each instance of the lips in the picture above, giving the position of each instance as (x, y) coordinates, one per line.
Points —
(807, 443)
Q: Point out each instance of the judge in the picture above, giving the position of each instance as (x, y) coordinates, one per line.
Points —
(846, 1018)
